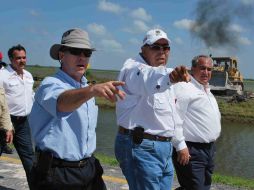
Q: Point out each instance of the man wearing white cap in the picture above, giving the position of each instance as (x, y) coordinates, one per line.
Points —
(147, 117)
(64, 117)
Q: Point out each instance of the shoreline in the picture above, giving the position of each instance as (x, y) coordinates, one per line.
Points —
(242, 113)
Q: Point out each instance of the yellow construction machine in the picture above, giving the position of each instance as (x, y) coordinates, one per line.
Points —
(226, 77)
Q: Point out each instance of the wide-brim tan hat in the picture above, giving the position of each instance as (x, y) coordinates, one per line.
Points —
(75, 38)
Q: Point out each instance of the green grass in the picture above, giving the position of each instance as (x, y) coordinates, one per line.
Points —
(40, 71)
(102, 102)
(107, 160)
(240, 112)
(234, 181)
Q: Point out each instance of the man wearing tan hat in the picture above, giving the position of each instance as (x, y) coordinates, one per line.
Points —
(147, 118)
(64, 117)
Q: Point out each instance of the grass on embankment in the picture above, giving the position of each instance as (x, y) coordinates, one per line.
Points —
(227, 180)
(242, 112)
(234, 181)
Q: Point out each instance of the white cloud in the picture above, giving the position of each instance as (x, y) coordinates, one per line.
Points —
(184, 24)
(236, 28)
(97, 29)
(244, 41)
(134, 41)
(34, 13)
(138, 26)
(109, 7)
(111, 45)
(178, 40)
(38, 31)
(141, 14)
(247, 2)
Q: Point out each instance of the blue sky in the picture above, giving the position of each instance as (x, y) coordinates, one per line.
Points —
(116, 28)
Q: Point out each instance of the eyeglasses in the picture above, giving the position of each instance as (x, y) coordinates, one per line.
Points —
(78, 51)
(156, 47)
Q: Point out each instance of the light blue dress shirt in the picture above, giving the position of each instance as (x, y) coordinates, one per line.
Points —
(69, 135)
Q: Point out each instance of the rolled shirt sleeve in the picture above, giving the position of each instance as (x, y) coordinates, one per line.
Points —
(141, 78)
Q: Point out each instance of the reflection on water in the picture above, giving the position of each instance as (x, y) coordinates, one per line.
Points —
(235, 150)
(106, 131)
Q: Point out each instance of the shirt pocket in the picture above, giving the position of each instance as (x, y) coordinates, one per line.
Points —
(13, 87)
(161, 101)
(29, 82)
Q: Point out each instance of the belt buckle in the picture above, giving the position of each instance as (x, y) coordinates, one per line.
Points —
(81, 163)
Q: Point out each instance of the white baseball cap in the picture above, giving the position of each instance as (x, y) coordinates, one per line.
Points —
(154, 35)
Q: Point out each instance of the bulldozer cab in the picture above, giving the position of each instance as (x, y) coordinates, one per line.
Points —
(227, 64)
(224, 63)
(226, 75)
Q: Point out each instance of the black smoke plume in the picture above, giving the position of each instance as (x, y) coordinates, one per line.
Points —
(214, 19)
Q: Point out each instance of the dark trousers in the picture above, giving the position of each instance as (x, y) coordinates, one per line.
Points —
(23, 144)
(86, 177)
(197, 174)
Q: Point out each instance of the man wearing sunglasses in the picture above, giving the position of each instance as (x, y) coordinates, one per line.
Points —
(147, 117)
(64, 117)
(199, 111)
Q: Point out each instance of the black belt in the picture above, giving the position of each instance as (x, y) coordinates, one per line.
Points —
(57, 162)
(125, 131)
(18, 119)
(200, 145)
(71, 164)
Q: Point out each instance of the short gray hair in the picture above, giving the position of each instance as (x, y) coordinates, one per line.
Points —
(194, 61)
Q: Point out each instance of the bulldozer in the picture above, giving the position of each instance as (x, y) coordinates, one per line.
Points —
(226, 78)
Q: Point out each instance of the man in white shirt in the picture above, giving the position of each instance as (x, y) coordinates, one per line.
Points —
(18, 86)
(147, 117)
(201, 126)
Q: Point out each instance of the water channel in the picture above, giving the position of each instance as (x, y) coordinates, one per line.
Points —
(234, 156)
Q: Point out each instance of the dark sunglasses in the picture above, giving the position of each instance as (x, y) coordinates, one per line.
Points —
(156, 47)
(77, 51)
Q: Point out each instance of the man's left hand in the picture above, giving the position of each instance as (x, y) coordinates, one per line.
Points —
(9, 136)
(183, 156)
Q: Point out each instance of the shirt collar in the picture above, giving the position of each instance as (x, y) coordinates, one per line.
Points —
(11, 70)
(141, 59)
(70, 80)
(198, 85)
